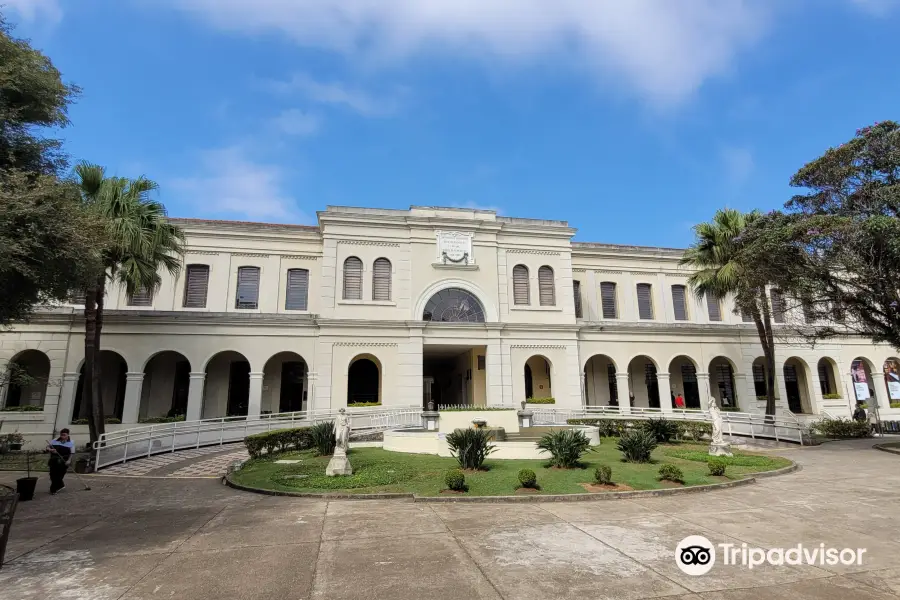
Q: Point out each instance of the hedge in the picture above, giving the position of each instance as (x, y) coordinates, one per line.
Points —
(277, 441)
(842, 428)
(540, 400)
(23, 408)
(831, 396)
(474, 408)
(895, 404)
(363, 404)
(150, 420)
(107, 420)
(694, 430)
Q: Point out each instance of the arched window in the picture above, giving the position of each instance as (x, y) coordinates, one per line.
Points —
(520, 285)
(352, 279)
(381, 279)
(454, 305)
(546, 286)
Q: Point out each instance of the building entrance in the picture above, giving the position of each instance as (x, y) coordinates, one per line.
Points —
(454, 375)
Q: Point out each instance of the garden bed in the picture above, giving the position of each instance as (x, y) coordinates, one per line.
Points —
(377, 471)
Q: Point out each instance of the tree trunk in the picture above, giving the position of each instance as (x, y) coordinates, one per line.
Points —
(97, 375)
(762, 318)
(87, 393)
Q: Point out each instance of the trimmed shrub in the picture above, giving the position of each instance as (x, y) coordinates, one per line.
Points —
(831, 396)
(540, 400)
(637, 445)
(662, 429)
(603, 475)
(322, 438)
(470, 447)
(842, 428)
(23, 408)
(895, 404)
(694, 430)
(278, 440)
(455, 480)
(363, 404)
(473, 408)
(669, 472)
(716, 466)
(565, 447)
(107, 420)
(527, 478)
(175, 419)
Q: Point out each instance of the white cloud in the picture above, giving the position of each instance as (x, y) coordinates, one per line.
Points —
(230, 183)
(878, 8)
(662, 48)
(738, 164)
(337, 94)
(33, 10)
(296, 122)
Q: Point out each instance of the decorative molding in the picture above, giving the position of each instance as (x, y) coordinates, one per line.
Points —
(369, 243)
(607, 272)
(527, 251)
(251, 254)
(579, 270)
(366, 344)
(539, 346)
(300, 256)
(202, 252)
(454, 266)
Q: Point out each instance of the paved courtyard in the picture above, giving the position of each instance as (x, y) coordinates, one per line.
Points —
(195, 539)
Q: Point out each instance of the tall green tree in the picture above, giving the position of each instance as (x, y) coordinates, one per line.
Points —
(138, 243)
(837, 245)
(45, 235)
(721, 271)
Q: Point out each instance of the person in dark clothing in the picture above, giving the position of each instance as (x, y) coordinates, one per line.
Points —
(61, 450)
(860, 413)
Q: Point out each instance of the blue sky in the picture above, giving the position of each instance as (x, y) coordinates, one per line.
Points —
(631, 119)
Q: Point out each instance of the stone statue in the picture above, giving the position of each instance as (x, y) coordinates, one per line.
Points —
(339, 463)
(718, 446)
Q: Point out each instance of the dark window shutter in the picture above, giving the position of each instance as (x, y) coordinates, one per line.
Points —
(576, 290)
(195, 286)
(247, 288)
(613, 382)
(759, 380)
(352, 279)
(747, 317)
(381, 280)
(714, 308)
(546, 286)
(777, 305)
(824, 381)
(297, 292)
(645, 301)
(678, 302)
(520, 285)
(608, 300)
(141, 297)
(78, 297)
(809, 315)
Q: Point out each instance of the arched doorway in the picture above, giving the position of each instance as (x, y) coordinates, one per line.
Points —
(538, 383)
(892, 379)
(796, 386)
(683, 379)
(167, 381)
(643, 382)
(285, 383)
(113, 370)
(364, 380)
(600, 385)
(453, 305)
(828, 379)
(26, 379)
(226, 392)
(721, 383)
(760, 385)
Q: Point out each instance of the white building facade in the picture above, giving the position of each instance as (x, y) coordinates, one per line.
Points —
(398, 307)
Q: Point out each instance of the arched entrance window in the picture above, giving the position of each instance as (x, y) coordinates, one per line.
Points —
(454, 305)
(364, 380)
(537, 378)
(26, 379)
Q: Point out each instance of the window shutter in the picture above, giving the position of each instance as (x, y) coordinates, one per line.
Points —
(613, 382)
(608, 300)
(576, 290)
(824, 382)
(247, 288)
(381, 280)
(747, 317)
(141, 297)
(713, 307)
(808, 311)
(777, 305)
(297, 289)
(520, 285)
(78, 297)
(678, 302)
(546, 287)
(759, 380)
(352, 279)
(195, 286)
(645, 302)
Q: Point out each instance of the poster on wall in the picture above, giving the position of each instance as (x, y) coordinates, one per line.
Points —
(892, 378)
(860, 383)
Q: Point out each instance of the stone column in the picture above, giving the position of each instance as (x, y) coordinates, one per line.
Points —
(66, 400)
(703, 389)
(132, 406)
(195, 397)
(740, 391)
(624, 389)
(665, 389)
(254, 402)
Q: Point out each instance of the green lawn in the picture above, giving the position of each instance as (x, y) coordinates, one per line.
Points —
(377, 470)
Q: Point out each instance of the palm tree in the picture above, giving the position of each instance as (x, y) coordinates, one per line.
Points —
(721, 271)
(138, 242)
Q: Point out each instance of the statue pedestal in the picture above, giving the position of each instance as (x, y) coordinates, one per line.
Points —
(525, 418)
(338, 465)
(720, 449)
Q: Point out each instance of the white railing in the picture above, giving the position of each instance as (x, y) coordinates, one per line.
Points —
(782, 427)
(120, 446)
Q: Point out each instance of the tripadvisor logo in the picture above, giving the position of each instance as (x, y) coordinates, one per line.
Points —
(696, 555)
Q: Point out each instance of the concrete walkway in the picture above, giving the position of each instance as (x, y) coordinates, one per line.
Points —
(136, 538)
